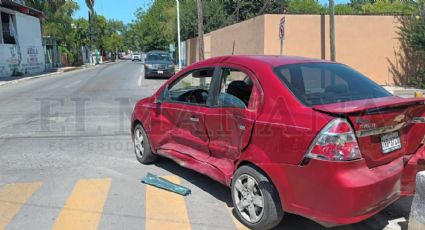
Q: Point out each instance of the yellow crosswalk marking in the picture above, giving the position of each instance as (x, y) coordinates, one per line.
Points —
(12, 198)
(84, 207)
(165, 210)
(238, 225)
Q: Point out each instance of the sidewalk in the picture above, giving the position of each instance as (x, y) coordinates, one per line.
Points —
(13, 80)
(47, 73)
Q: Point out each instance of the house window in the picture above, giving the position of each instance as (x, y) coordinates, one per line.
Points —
(8, 28)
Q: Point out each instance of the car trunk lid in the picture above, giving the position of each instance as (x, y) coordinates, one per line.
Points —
(386, 128)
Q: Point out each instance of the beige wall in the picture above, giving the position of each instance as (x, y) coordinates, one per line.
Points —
(367, 43)
(246, 36)
(302, 35)
(370, 49)
(192, 51)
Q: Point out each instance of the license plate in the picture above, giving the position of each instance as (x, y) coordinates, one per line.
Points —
(390, 142)
(160, 72)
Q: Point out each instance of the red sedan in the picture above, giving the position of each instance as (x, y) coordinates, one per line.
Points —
(287, 134)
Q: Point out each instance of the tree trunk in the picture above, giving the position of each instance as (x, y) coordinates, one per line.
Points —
(332, 29)
(200, 29)
(282, 7)
(238, 4)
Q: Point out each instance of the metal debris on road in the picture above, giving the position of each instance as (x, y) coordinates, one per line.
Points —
(162, 183)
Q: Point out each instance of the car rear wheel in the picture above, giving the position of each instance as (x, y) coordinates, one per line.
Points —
(142, 146)
(256, 201)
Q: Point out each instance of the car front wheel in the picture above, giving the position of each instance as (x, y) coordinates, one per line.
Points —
(142, 146)
(256, 201)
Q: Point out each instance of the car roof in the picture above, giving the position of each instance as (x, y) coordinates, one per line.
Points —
(273, 60)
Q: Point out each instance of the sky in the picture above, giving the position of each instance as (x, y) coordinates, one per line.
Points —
(123, 10)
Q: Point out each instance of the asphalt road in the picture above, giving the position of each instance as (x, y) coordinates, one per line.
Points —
(66, 159)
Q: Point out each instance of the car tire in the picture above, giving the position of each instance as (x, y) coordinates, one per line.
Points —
(142, 146)
(246, 199)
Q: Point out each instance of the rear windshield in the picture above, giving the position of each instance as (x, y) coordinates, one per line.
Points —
(158, 57)
(327, 83)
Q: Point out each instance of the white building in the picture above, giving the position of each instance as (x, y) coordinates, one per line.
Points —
(21, 49)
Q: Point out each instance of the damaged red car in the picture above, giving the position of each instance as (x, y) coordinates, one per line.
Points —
(287, 134)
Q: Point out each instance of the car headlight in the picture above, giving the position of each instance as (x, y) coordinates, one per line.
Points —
(171, 66)
(150, 66)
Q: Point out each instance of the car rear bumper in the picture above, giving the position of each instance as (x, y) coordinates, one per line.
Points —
(413, 164)
(338, 193)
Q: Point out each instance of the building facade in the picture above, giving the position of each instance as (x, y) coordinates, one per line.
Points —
(21, 49)
(370, 44)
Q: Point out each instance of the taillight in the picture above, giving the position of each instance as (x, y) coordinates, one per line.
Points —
(335, 142)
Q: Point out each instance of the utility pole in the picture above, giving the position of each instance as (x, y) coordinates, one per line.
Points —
(332, 29)
(199, 6)
(178, 34)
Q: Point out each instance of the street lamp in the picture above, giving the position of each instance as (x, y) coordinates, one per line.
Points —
(178, 34)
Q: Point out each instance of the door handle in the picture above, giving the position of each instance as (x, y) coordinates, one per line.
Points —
(194, 119)
(242, 127)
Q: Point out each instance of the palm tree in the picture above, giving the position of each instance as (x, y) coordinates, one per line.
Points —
(92, 20)
(57, 15)
(90, 5)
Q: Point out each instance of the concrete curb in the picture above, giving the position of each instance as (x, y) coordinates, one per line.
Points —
(403, 91)
(417, 212)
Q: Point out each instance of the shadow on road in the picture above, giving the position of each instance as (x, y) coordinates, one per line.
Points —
(399, 209)
(205, 183)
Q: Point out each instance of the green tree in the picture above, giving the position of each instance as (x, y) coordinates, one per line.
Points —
(90, 4)
(58, 16)
(412, 33)
(58, 22)
(345, 9)
(241, 10)
(405, 7)
(152, 26)
(113, 43)
(215, 17)
(305, 7)
(389, 7)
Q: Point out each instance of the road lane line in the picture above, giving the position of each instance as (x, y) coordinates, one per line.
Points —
(72, 84)
(139, 82)
(84, 207)
(164, 209)
(238, 224)
(12, 198)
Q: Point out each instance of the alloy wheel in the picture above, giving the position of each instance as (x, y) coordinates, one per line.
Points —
(248, 198)
(139, 142)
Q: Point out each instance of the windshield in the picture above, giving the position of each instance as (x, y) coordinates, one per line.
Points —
(327, 83)
(158, 57)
